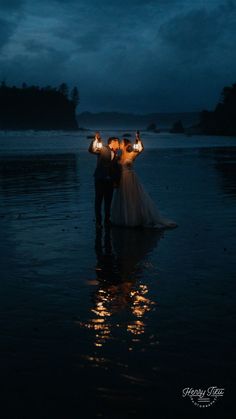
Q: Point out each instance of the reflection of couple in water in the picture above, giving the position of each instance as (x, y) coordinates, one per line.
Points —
(121, 255)
(132, 206)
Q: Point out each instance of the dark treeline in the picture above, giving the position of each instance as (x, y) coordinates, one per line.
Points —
(222, 121)
(40, 108)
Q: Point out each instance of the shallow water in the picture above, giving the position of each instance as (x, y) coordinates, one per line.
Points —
(116, 323)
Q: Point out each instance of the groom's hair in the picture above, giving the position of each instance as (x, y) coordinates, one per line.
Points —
(110, 139)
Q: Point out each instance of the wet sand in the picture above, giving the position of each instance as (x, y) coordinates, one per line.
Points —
(116, 324)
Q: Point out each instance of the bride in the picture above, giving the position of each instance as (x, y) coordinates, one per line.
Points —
(132, 206)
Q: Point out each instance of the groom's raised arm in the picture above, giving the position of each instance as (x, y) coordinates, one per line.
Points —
(91, 148)
(95, 146)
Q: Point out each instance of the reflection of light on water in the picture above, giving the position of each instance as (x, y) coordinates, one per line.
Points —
(140, 303)
(139, 306)
(137, 327)
(102, 329)
(113, 299)
(100, 308)
(99, 324)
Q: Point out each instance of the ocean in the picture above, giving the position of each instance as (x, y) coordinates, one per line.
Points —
(115, 324)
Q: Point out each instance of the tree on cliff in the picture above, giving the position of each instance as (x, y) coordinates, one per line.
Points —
(75, 96)
(63, 89)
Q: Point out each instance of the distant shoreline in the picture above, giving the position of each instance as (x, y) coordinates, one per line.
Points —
(220, 121)
(162, 120)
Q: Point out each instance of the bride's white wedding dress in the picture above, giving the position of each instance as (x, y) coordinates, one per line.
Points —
(132, 206)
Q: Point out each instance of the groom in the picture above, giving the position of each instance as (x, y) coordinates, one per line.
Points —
(106, 176)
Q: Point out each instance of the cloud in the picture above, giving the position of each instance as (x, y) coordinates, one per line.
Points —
(139, 55)
(45, 68)
(11, 5)
(6, 30)
(32, 46)
(198, 31)
(9, 19)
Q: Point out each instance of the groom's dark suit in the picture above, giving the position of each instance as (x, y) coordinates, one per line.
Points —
(106, 174)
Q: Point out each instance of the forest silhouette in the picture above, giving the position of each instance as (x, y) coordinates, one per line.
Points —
(39, 108)
(222, 121)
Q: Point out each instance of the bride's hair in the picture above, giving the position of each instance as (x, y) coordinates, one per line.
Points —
(128, 145)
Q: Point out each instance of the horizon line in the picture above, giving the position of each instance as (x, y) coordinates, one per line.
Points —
(138, 114)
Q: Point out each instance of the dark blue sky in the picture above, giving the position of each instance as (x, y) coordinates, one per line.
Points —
(124, 55)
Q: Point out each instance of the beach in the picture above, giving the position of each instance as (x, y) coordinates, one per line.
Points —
(115, 324)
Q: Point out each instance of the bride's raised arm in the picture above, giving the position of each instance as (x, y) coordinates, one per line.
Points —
(137, 148)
